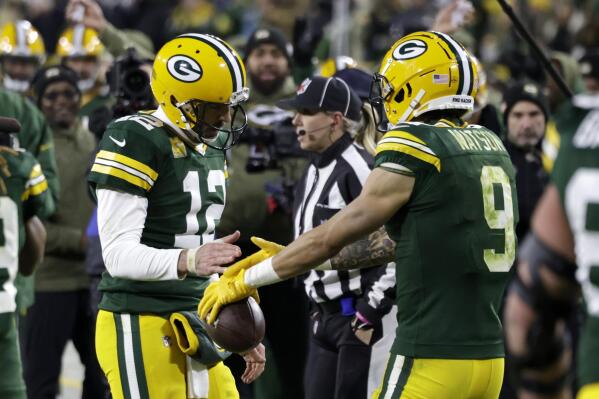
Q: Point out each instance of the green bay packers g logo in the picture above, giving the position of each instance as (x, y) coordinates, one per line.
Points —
(184, 68)
(410, 49)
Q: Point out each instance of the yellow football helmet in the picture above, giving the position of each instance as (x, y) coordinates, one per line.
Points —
(21, 39)
(79, 41)
(423, 72)
(196, 71)
(22, 51)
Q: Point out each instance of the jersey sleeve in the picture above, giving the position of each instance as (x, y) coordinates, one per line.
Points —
(37, 198)
(127, 160)
(404, 152)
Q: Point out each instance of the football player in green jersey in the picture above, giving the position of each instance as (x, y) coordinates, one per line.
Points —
(24, 197)
(445, 192)
(558, 259)
(160, 178)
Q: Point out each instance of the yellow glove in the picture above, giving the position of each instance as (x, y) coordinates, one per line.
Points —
(227, 289)
(272, 248)
(267, 249)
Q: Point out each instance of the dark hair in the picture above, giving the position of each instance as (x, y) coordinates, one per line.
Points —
(441, 114)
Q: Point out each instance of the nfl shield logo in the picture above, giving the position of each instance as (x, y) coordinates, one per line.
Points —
(304, 86)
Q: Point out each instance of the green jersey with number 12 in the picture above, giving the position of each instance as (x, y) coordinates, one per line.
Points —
(455, 241)
(185, 189)
(576, 176)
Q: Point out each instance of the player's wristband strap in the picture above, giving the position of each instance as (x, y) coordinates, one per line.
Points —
(191, 261)
(261, 274)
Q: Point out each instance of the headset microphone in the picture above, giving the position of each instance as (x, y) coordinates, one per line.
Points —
(302, 132)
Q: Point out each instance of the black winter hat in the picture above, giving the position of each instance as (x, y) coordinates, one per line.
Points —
(524, 91)
(51, 74)
(269, 36)
(589, 64)
(322, 94)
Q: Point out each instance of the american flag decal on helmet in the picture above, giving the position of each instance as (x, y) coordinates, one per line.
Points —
(440, 78)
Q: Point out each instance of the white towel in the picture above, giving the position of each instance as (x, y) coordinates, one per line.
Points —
(197, 379)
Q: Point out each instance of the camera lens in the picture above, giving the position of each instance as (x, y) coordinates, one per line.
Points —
(135, 82)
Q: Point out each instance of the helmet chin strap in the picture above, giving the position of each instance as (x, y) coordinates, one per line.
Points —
(413, 105)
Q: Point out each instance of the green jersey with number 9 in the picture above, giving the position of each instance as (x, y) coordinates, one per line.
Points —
(576, 176)
(455, 240)
(185, 189)
(23, 194)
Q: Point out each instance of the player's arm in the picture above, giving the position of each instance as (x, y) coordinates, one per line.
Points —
(543, 295)
(32, 252)
(373, 250)
(121, 219)
(384, 193)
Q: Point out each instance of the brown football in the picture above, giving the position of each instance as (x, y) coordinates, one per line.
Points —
(239, 326)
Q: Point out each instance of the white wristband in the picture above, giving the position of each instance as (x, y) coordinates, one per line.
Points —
(261, 274)
(326, 265)
(191, 261)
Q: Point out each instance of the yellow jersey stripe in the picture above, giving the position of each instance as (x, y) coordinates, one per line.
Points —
(416, 153)
(35, 171)
(131, 171)
(39, 188)
(403, 135)
(35, 186)
(121, 174)
(132, 163)
(450, 123)
(396, 140)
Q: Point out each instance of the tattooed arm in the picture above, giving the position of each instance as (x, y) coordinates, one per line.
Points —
(383, 194)
(374, 250)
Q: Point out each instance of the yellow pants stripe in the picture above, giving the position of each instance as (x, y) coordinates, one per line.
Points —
(130, 355)
(398, 376)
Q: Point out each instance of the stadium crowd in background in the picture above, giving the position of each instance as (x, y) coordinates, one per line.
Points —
(54, 59)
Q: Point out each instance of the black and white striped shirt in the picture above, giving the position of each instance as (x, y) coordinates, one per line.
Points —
(332, 180)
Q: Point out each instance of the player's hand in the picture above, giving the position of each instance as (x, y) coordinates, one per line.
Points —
(362, 329)
(227, 289)
(453, 16)
(267, 250)
(255, 361)
(211, 257)
(93, 16)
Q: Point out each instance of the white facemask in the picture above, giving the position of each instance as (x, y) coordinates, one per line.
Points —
(15, 85)
(86, 85)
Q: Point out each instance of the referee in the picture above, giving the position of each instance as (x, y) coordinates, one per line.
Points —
(347, 307)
